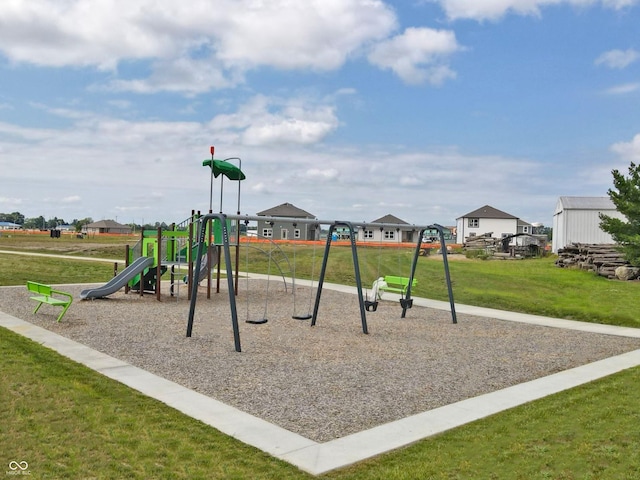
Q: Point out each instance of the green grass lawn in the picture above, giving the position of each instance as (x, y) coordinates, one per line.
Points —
(533, 286)
(70, 422)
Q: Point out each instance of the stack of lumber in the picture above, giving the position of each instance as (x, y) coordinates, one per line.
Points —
(481, 242)
(600, 258)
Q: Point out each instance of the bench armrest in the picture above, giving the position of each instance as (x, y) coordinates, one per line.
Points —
(63, 293)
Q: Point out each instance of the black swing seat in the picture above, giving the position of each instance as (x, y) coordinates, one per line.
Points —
(370, 306)
(257, 322)
(302, 317)
(406, 303)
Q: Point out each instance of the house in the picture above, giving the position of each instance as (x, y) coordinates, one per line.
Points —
(9, 226)
(404, 232)
(432, 235)
(287, 230)
(106, 226)
(491, 222)
(577, 220)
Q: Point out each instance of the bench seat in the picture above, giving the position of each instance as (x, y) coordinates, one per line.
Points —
(44, 294)
(396, 284)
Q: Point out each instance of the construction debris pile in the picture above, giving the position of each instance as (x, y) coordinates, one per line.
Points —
(520, 245)
(600, 258)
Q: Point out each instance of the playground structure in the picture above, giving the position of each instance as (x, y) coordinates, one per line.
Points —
(156, 252)
(162, 249)
(365, 305)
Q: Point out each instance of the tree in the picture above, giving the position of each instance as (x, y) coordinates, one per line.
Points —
(626, 198)
(78, 224)
(14, 217)
(54, 222)
(34, 223)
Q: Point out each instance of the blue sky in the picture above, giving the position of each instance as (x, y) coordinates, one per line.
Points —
(349, 109)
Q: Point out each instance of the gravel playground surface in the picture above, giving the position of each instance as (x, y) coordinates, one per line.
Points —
(326, 381)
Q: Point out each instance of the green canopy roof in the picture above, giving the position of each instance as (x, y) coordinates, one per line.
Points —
(220, 167)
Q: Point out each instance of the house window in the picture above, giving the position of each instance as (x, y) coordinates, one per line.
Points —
(267, 232)
(368, 234)
(284, 234)
(474, 222)
(296, 233)
(389, 235)
(525, 229)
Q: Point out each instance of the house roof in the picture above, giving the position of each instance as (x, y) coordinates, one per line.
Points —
(106, 224)
(584, 203)
(286, 210)
(388, 218)
(489, 212)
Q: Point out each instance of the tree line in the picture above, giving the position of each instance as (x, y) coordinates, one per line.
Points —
(40, 223)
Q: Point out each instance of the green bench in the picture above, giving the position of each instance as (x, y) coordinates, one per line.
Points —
(396, 284)
(44, 294)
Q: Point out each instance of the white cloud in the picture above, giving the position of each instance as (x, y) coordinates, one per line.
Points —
(287, 130)
(180, 75)
(418, 55)
(120, 104)
(10, 202)
(135, 169)
(496, 9)
(618, 58)
(317, 174)
(191, 46)
(133, 209)
(629, 151)
(269, 121)
(316, 34)
(260, 187)
(623, 89)
(79, 32)
(410, 181)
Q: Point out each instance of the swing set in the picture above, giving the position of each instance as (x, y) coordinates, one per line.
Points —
(307, 315)
(365, 304)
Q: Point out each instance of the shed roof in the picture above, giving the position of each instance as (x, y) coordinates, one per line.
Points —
(584, 203)
(489, 212)
(286, 210)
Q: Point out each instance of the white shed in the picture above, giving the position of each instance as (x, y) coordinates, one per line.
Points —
(577, 220)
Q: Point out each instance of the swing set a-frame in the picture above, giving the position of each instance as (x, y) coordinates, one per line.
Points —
(406, 301)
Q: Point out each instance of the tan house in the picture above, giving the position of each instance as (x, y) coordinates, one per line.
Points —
(106, 226)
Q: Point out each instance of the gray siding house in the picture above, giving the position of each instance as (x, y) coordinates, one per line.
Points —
(287, 230)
